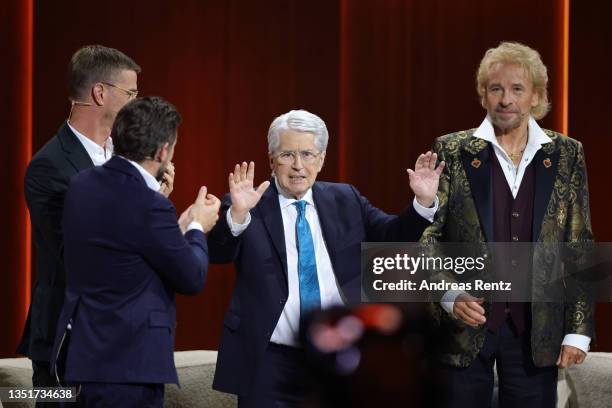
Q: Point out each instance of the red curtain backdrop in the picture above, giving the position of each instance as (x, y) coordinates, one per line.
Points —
(590, 108)
(408, 76)
(387, 77)
(15, 128)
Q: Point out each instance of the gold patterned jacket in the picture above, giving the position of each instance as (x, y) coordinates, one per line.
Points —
(561, 214)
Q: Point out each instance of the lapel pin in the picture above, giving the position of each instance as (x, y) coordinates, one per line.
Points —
(547, 163)
(476, 163)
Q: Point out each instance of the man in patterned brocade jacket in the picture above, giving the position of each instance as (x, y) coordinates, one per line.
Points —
(511, 181)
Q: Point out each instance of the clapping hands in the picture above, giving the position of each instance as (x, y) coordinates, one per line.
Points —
(204, 210)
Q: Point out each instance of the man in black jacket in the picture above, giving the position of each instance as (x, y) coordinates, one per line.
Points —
(101, 81)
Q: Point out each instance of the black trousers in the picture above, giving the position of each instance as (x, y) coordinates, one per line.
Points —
(521, 383)
(282, 380)
(42, 377)
(103, 395)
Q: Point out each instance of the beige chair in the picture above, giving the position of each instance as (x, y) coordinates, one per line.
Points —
(585, 386)
(195, 369)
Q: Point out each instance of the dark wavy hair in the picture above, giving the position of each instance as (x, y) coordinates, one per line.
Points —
(143, 126)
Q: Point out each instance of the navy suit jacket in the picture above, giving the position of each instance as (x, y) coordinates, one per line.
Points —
(125, 258)
(259, 254)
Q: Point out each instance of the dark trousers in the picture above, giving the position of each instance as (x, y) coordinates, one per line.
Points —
(42, 377)
(282, 380)
(103, 395)
(521, 383)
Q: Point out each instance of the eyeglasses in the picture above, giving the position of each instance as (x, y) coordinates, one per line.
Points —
(130, 94)
(289, 157)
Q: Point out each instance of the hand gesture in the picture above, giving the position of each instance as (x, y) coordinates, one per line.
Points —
(570, 355)
(185, 219)
(167, 183)
(205, 209)
(468, 309)
(425, 177)
(244, 196)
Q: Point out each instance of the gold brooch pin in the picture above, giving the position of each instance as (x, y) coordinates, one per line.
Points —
(475, 163)
(547, 163)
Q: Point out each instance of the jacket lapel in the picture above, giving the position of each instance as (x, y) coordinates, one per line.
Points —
(75, 152)
(546, 168)
(273, 221)
(328, 217)
(476, 157)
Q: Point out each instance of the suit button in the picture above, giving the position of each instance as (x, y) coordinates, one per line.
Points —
(515, 214)
(513, 262)
(282, 301)
(515, 238)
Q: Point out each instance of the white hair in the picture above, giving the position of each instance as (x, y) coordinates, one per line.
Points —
(300, 121)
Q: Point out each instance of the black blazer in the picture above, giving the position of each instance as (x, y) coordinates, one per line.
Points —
(46, 181)
(347, 218)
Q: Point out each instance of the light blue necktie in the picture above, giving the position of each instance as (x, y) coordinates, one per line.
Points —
(310, 295)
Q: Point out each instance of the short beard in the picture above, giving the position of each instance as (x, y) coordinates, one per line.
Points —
(507, 126)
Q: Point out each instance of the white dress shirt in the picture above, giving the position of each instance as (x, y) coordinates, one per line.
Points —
(288, 325)
(514, 175)
(98, 154)
(151, 181)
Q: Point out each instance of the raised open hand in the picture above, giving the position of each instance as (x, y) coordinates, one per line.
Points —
(425, 177)
(243, 195)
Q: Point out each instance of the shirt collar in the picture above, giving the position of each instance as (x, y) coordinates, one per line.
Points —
(536, 138)
(91, 147)
(285, 200)
(151, 181)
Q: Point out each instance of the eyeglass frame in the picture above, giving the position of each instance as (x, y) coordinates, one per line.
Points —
(131, 94)
(294, 156)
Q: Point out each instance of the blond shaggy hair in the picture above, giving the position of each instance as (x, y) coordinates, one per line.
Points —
(523, 56)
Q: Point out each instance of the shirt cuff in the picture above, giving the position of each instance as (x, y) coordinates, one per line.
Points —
(448, 300)
(235, 228)
(427, 213)
(194, 225)
(579, 341)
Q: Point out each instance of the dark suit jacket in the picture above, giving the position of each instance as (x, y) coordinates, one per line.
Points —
(125, 259)
(560, 214)
(259, 254)
(46, 181)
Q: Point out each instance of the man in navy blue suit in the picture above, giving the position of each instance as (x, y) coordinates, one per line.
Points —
(296, 248)
(126, 256)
